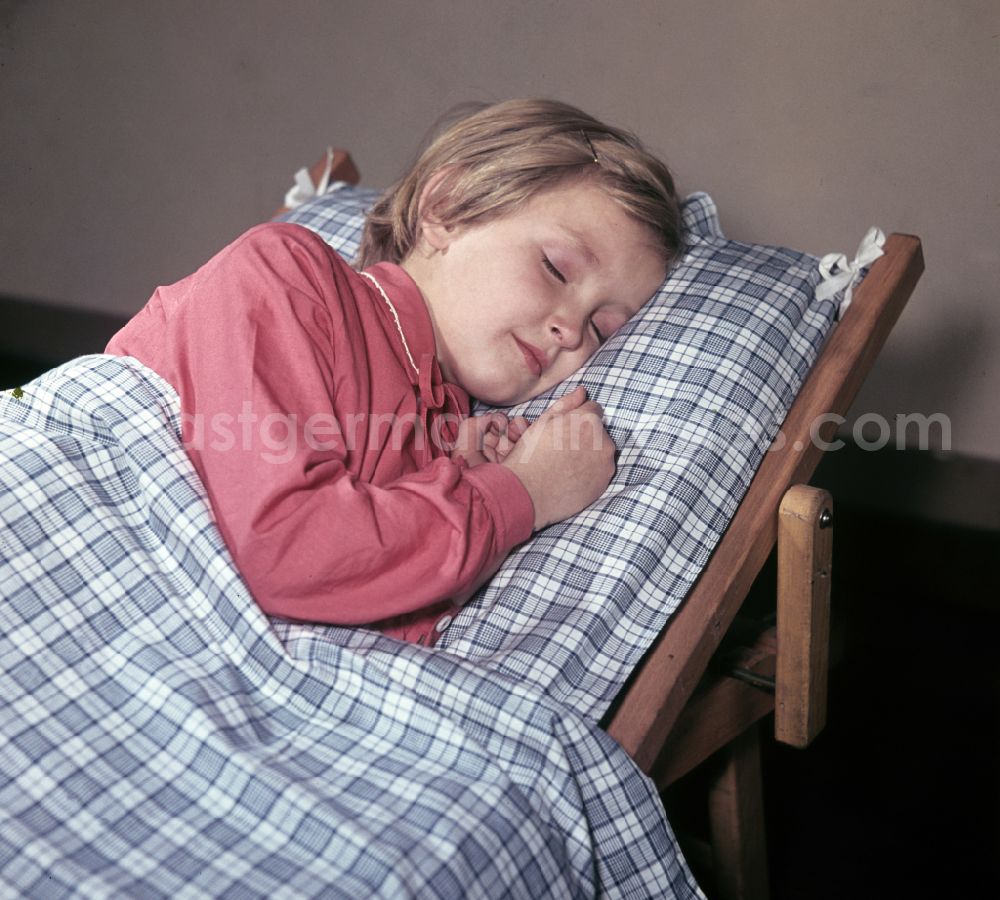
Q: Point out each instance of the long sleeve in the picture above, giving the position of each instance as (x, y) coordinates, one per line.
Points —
(315, 442)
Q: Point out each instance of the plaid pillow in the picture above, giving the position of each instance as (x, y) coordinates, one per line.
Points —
(694, 389)
(337, 216)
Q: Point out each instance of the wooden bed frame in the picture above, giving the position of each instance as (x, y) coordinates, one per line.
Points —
(675, 712)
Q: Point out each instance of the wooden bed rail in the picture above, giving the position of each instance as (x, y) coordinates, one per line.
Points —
(782, 668)
(649, 706)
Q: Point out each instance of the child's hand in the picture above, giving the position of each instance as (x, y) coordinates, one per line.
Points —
(565, 459)
(488, 438)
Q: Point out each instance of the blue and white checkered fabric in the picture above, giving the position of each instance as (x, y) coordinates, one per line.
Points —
(158, 739)
(694, 389)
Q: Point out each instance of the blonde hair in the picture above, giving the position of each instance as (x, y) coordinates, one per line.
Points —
(500, 156)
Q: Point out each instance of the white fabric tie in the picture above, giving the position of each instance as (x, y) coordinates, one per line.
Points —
(837, 273)
(304, 189)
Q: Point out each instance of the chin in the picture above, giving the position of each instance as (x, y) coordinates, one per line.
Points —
(494, 390)
(492, 399)
(500, 397)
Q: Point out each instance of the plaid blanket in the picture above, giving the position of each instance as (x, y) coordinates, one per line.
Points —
(159, 737)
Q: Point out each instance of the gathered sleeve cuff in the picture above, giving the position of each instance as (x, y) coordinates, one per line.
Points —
(508, 499)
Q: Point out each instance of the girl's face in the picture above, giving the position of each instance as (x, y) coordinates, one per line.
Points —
(518, 303)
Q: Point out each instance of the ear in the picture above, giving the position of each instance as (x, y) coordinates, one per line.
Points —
(435, 233)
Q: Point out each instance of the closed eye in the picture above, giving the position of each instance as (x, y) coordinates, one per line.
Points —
(553, 271)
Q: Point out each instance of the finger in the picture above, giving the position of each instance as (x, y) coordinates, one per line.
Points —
(567, 402)
(503, 447)
(516, 427)
(592, 408)
(498, 423)
(483, 425)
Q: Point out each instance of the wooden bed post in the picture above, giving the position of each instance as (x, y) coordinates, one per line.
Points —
(785, 670)
(805, 546)
(736, 822)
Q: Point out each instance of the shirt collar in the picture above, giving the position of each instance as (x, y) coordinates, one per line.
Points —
(415, 321)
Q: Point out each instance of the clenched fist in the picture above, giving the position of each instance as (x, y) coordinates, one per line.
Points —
(565, 459)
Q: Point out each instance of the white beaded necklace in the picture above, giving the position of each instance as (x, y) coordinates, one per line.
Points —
(395, 317)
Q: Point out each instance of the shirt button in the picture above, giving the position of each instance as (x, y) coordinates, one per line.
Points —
(442, 624)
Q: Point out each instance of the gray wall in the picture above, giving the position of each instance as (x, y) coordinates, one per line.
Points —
(139, 137)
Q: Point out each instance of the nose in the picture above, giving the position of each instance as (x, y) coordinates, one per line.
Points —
(565, 331)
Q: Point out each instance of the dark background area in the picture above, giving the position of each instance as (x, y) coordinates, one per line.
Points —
(900, 795)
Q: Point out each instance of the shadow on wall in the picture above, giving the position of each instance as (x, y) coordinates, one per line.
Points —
(900, 461)
(36, 336)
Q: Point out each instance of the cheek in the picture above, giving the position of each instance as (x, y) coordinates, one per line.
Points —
(514, 307)
(608, 322)
(566, 365)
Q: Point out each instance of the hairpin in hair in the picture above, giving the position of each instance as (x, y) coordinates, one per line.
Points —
(593, 152)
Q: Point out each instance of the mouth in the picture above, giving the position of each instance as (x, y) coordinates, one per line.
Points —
(535, 358)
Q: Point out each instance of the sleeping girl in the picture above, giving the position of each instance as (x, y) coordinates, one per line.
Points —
(327, 408)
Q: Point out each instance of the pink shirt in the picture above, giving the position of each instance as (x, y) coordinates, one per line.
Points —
(321, 448)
